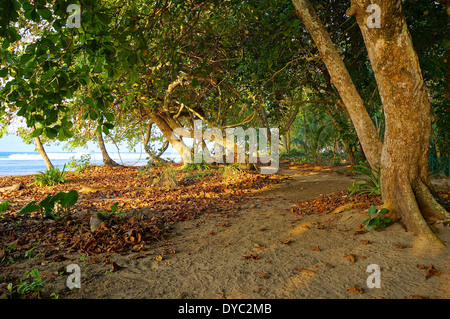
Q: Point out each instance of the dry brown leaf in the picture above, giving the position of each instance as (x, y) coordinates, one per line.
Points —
(159, 258)
(115, 267)
(366, 242)
(262, 275)
(256, 245)
(305, 270)
(315, 248)
(355, 290)
(350, 257)
(431, 271)
(287, 242)
(399, 246)
(252, 256)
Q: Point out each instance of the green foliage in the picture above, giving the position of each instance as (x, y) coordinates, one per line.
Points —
(50, 177)
(4, 207)
(52, 206)
(371, 185)
(196, 175)
(115, 210)
(82, 165)
(28, 288)
(377, 219)
(189, 167)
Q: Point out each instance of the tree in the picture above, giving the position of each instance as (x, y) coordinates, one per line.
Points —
(403, 157)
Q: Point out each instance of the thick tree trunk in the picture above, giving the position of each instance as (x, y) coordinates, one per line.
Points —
(167, 130)
(101, 143)
(41, 151)
(404, 170)
(341, 79)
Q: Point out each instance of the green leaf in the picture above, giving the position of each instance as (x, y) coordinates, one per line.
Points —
(31, 207)
(37, 132)
(3, 73)
(372, 210)
(51, 133)
(4, 206)
(45, 13)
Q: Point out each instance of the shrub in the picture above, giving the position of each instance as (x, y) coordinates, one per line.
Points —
(371, 185)
(81, 165)
(52, 206)
(377, 218)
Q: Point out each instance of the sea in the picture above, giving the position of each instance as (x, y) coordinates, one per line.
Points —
(26, 163)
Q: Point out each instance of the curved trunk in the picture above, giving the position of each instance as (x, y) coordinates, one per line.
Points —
(41, 151)
(101, 143)
(404, 170)
(341, 79)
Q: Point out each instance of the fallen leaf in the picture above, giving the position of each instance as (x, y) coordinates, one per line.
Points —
(350, 257)
(315, 248)
(252, 256)
(305, 270)
(115, 267)
(431, 271)
(366, 242)
(256, 245)
(263, 276)
(399, 246)
(287, 242)
(355, 290)
(418, 297)
(159, 258)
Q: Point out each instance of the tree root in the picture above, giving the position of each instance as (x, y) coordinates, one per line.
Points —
(411, 214)
(429, 205)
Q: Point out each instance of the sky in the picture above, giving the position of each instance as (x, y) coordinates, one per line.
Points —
(12, 143)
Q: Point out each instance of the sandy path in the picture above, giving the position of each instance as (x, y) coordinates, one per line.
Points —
(209, 260)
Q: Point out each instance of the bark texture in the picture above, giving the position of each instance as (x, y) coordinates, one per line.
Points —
(341, 79)
(404, 154)
(41, 151)
(107, 160)
(404, 171)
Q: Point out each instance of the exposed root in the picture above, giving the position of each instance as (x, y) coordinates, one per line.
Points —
(412, 216)
(429, 205)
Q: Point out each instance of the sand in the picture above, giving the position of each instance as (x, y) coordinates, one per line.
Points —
(264, 251)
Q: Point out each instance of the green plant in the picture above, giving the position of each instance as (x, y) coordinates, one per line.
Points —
(4, 207)
(115, 210)
(377, 219)
(50, 177)
(7, 254)
(52, 206)
(28, 288)
(81, 165)
(363, 185)
(195, 166)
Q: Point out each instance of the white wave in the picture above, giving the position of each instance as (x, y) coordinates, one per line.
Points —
(125, 157)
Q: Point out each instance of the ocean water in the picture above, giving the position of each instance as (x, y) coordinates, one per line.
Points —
(24, 163)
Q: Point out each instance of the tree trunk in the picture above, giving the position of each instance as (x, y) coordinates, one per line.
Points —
(41, 151)
(177, 144)
(404, 156)
(101, 143)
(341, 79)
(404, 171)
